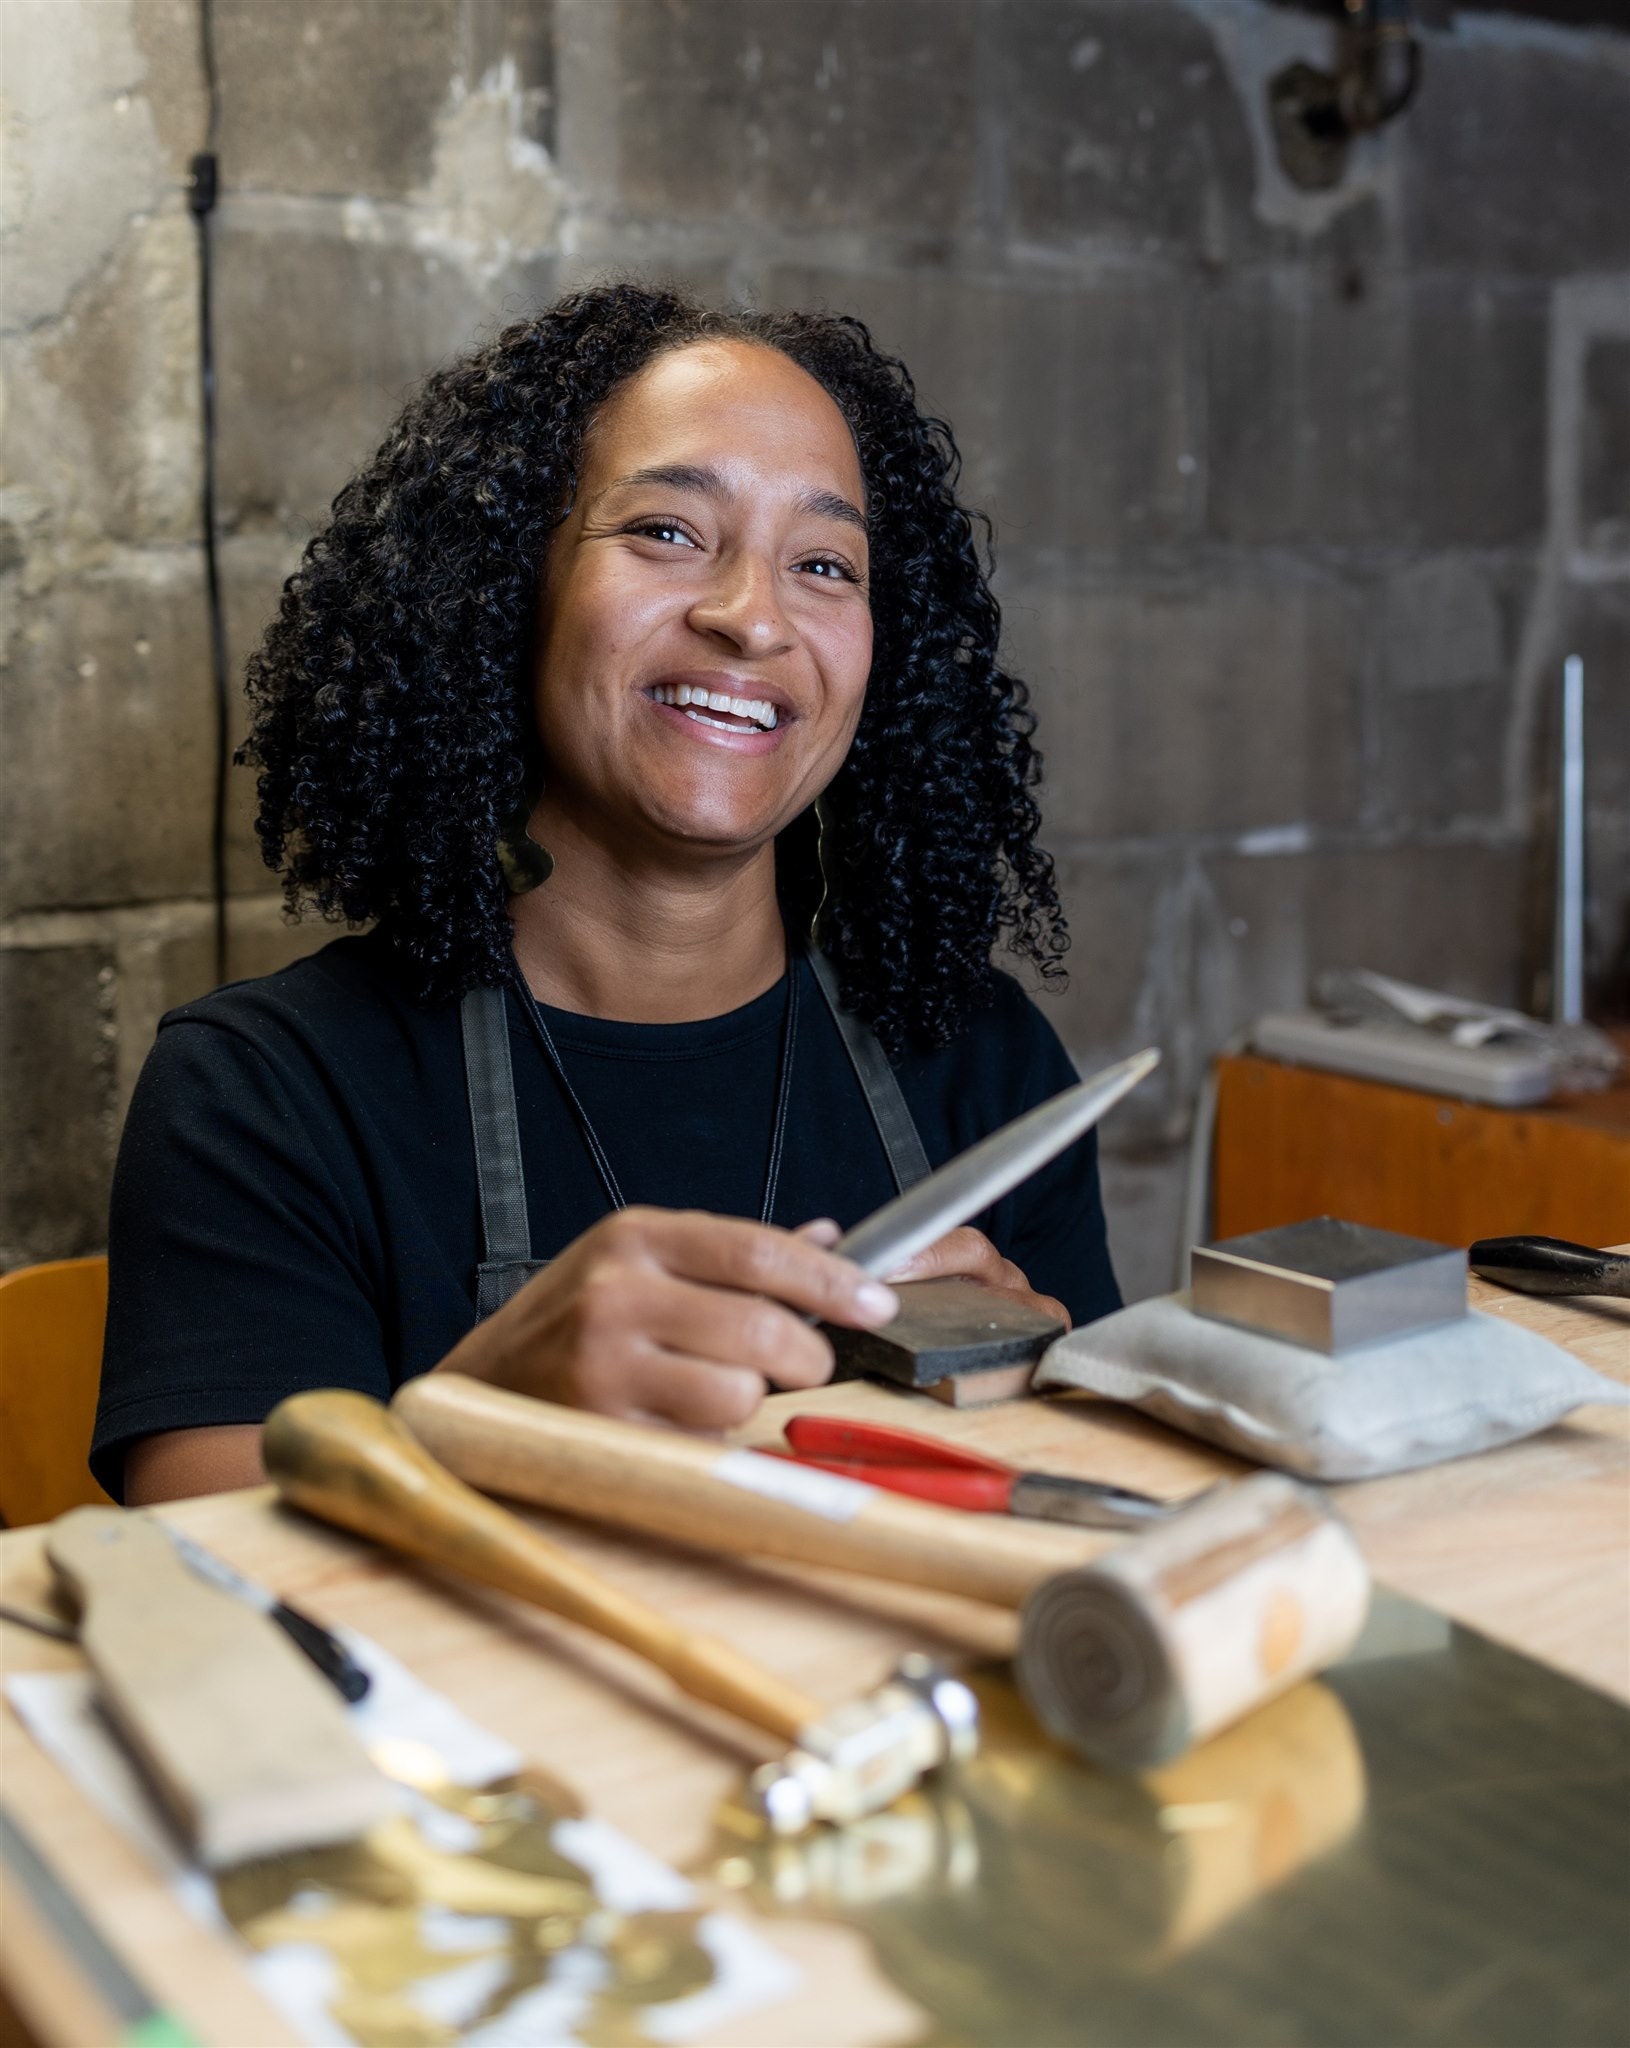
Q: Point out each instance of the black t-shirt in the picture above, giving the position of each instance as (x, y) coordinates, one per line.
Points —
(295, 1199)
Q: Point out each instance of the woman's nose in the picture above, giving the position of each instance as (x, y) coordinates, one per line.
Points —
(742, 605)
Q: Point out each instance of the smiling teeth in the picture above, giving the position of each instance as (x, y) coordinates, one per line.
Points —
(759, 709)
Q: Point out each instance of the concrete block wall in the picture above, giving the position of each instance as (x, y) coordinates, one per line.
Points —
(1300, 498)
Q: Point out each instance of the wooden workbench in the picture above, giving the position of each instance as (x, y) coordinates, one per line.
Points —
(1530, 1544)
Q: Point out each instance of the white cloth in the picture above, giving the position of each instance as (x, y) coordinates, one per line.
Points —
(1441, 1393)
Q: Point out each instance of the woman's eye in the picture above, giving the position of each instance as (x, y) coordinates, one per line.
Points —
(663, 529)
(829, 569)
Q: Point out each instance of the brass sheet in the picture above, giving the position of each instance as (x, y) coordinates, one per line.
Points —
(1430, 1844)
(505, 1898)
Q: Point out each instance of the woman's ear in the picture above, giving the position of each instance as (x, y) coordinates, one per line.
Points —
(799, 880)
(524, 863)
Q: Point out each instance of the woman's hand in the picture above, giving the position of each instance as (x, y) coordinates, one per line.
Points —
(967, 1254)
(675, 1316)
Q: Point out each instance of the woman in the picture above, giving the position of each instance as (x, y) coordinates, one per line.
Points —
(651, 640)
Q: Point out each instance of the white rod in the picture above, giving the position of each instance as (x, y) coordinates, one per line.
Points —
(1568, 964)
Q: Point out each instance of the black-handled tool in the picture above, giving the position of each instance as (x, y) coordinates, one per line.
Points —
(1550, 1265)
(325, 1650)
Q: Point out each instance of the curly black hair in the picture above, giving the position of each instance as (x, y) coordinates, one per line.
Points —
(392, 721)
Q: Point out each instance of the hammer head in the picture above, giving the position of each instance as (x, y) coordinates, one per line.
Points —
(865, 1755)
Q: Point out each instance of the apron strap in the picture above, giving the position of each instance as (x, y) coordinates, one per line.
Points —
(908, 1162)
(500, 1181)
(507, 1262)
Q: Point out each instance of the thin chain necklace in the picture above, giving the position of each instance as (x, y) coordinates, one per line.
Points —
(591, 1137)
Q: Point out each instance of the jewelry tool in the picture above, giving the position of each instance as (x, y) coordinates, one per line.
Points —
(901, 1461)
(1184, 1629)
(740, 1501)
(324, 1649)
(141, 2023)
(346, 1458)
(961, 1342)
(41, 1624)
(1133, 1649)
(1550, 1265)
(1327, 1284)
(966, 1342)
(249, 1751)
(985, 1172)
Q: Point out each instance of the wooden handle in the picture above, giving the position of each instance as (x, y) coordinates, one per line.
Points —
(701, 1493)
(246, 1745)
(343, 1457)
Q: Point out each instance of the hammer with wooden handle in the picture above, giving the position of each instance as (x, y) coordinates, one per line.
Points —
(344, 1458)
(1131, 1656)
(694, 1491)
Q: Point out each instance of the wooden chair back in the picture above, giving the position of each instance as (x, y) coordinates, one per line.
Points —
(51, 1319)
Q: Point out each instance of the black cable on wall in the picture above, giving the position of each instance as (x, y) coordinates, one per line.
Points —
(202, 192)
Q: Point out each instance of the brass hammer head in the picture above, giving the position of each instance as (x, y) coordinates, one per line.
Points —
(864, 1756)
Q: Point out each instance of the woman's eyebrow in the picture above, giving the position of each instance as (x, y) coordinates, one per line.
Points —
(671, 476)
(830, 505)
(708, 483)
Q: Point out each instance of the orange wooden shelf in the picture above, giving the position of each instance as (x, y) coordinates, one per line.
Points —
(1294, 1142)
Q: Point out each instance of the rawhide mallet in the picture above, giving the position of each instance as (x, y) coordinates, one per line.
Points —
(346, 1459)
(1140, 1655)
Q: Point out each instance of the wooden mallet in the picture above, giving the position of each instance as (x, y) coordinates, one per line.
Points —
(1132, 1650)
(344, 1458)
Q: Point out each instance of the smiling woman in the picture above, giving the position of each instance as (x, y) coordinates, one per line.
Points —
(716, 551)
(643, 693)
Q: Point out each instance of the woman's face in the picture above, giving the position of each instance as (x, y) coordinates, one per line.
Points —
(705, 631)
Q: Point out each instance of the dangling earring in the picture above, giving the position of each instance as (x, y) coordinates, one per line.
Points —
(523, 862)
(820, 863)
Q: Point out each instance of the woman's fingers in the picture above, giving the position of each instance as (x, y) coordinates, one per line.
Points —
(675, 1314)
(692, 1393)
(967, 1254)
(736, 1329)
(964, 1254)
(752, 1258)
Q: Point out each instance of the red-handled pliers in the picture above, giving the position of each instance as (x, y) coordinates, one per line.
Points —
(903, 1462)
